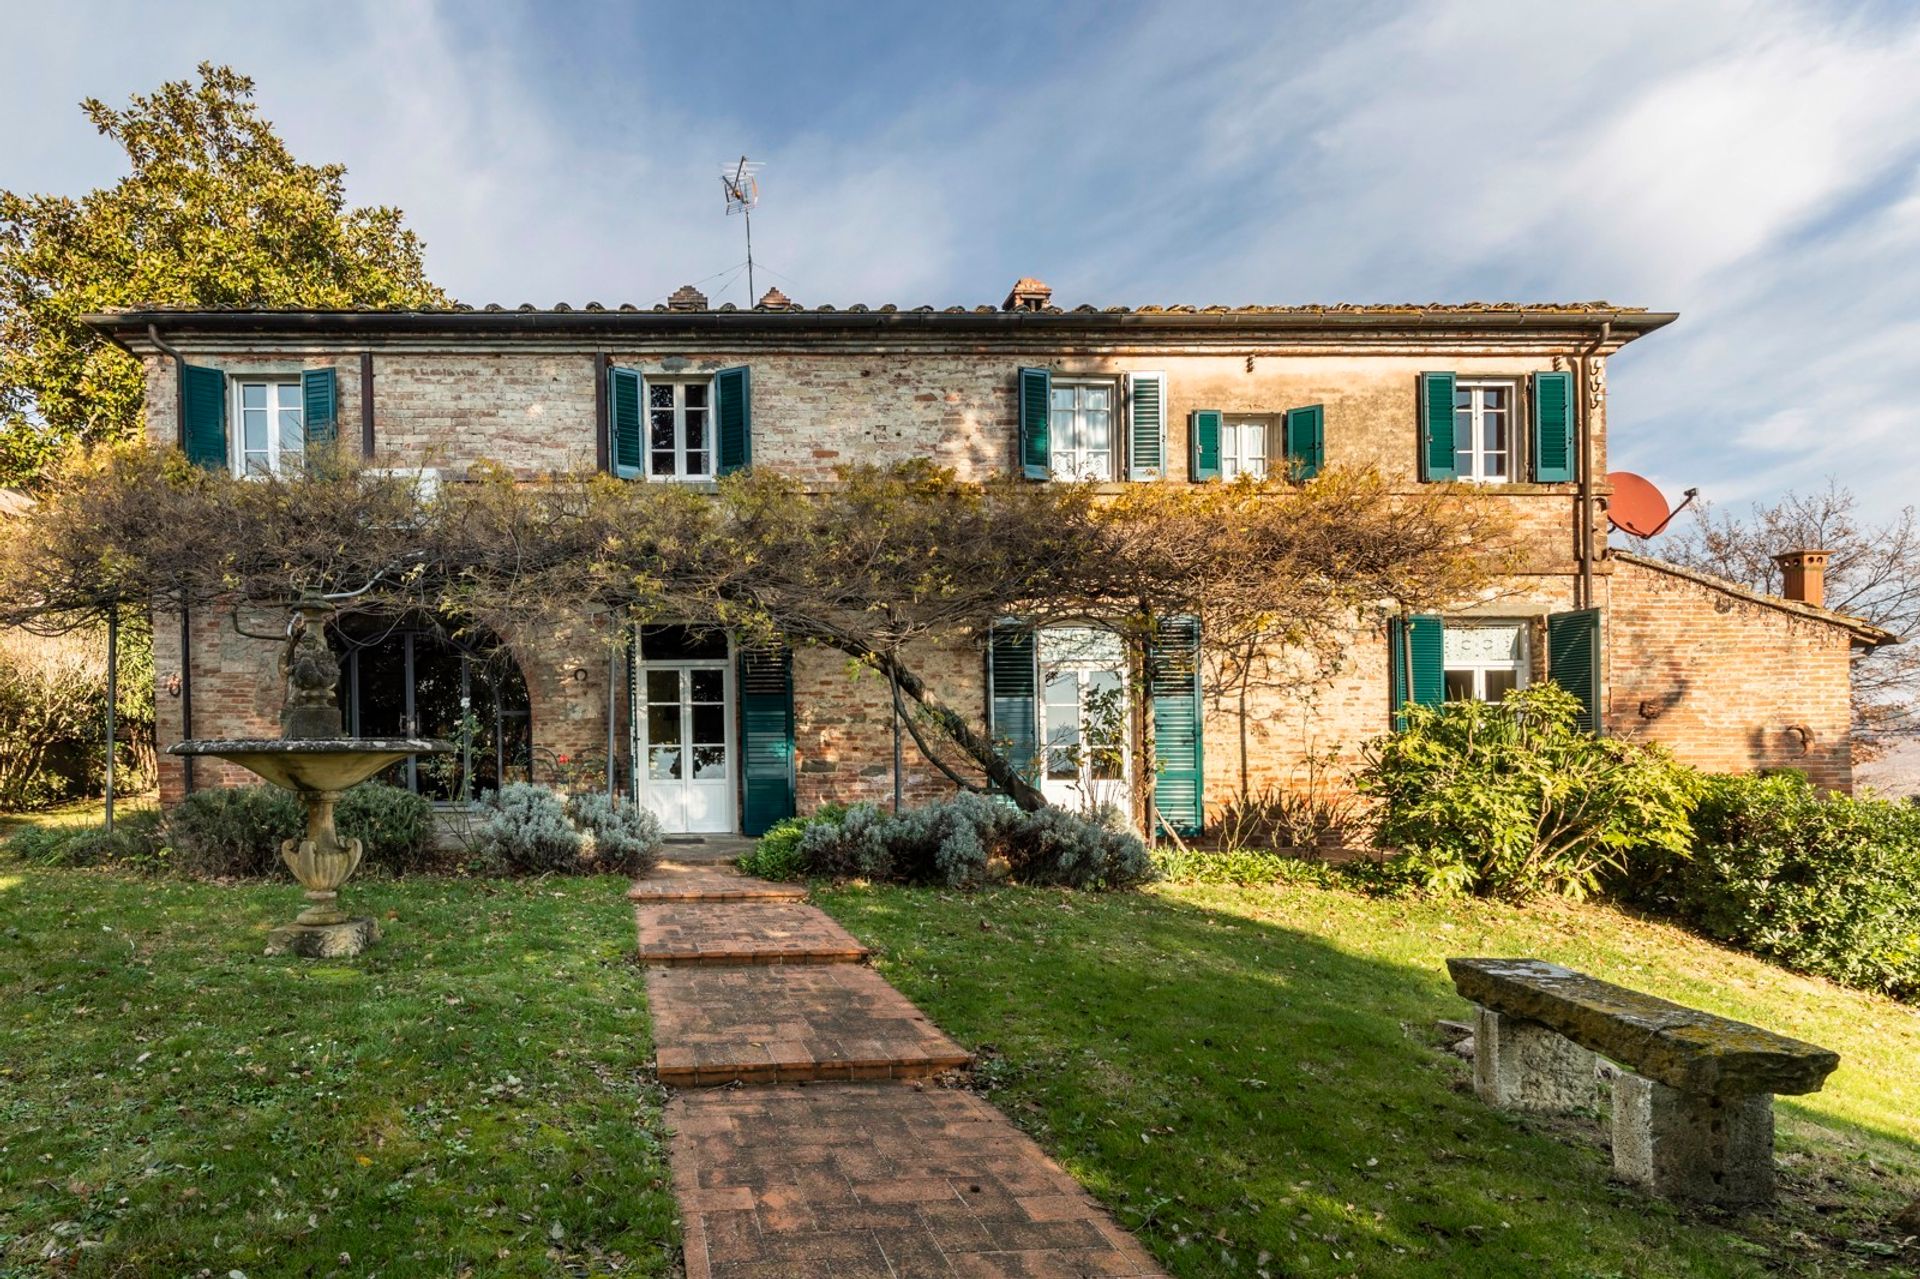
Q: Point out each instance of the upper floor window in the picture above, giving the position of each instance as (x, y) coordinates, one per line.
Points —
(273, 432)
(680, 430)
(1080, 427)
(1483, 431)
(1243, 448)
(1484, 661)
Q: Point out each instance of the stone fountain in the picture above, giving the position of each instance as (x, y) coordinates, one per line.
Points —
(315, 760)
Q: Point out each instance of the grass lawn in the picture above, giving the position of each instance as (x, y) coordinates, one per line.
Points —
(1251, 1078)
(472, 1097)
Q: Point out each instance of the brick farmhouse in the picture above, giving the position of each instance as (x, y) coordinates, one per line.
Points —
(1509, 397)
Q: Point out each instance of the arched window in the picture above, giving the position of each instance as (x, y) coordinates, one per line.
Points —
(412, 678)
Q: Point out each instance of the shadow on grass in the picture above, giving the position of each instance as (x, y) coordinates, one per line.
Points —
(1257, 1097)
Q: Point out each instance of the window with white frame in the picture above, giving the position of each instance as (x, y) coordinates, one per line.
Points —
(1243, 448)
(1080, 430)
(680, 430)
(1483, 430)
(272, 434)
(1083, 714)
(1484, 661)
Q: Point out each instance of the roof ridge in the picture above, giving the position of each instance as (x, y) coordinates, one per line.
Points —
(1875, 635)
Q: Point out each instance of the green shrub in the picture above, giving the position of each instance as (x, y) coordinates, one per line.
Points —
(1074, 850)
(1510, 799)
(776, 854)
(1827, 884)
(1245, 867)
(525, 828)
(232, 831)
(46, 845)
(955, 843)
(626, 837)
(394, 826)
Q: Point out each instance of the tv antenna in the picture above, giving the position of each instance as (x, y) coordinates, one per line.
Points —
(741, 183)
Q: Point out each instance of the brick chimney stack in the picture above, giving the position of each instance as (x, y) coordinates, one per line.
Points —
(1027, 294)
(1803, 576)
(687, 298)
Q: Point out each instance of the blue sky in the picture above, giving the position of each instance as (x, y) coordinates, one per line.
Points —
(1754, 166)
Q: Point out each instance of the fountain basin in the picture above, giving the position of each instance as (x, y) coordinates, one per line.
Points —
(312, 764)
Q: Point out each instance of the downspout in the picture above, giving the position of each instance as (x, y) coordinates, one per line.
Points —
(186, 621)
(1584, 542)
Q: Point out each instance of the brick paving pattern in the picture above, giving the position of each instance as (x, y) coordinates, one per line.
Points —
(747, 932)
(759, 1025)
(834, 1180)
(872, 1181)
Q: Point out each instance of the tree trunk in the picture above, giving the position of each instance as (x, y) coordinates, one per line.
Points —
(955, 725)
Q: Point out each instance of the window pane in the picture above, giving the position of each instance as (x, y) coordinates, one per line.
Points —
(1096, 432)
(660, 395)
(663, 463)
(293, 437)
(253, 395)
(289, 393)
(663, 764)
(663, 725)
(1494, 398)
(660, 433)
(663, 686)
(253, 430)
(697, 464)
(1494, 466)
(709, 686)
(709, 724)
(257, 464)
(1499, 684)
(696, 429)
(696, 394)
(709, 763)
(1494, 432)
(1459, 686)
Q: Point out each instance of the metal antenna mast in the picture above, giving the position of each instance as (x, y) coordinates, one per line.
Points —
(741, 183)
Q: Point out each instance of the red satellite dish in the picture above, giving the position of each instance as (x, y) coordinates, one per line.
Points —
(1637, 507)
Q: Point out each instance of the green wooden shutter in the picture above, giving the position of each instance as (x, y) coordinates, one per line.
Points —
(204, 405)
(1436, 426)
(1013, 709)
(1147, 422)
(319, 403)
(1573, 660)
(733, 396)
(1553, 447)
(1173, 678)
(766, 737)
(1306, 440)
(1203, 444)
(1036, 399)
(624, 413)
(1422, 637)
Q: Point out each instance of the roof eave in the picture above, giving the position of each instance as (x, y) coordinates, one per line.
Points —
(1865, 634)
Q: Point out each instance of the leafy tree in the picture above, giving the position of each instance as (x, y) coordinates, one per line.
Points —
(214, 211)
(1874, 574)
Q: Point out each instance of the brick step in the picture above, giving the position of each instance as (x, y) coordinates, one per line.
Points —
(698, 882)
(742, 933)
(789, 1025)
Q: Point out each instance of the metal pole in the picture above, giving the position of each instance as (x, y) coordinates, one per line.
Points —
(113, 699)
(613, 677)
(750, 294)
(893, 682)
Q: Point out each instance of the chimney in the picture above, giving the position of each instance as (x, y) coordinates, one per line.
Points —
(775, 300)
(1027, 294)
(1803, 576)
(687, 298)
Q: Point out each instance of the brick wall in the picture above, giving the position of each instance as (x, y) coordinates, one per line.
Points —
(1729, 684)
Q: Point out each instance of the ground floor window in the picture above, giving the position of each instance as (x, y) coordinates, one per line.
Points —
(1484, 661)
(413, 679)
(683, 728)
(1083, 716)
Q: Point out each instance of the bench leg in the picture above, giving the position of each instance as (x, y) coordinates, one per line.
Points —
(1522, 1065)
(1688, 1146)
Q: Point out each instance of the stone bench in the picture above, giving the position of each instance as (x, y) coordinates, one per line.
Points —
(1693, 1106)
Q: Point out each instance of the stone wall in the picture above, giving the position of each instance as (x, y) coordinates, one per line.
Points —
(1730, 684)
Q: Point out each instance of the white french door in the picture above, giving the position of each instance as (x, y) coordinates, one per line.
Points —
(684, 741)
(1083, 718)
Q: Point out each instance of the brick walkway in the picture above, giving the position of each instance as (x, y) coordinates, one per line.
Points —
(834, 1180)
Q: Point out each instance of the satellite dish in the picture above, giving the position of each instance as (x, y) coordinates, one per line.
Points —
(1637, 507)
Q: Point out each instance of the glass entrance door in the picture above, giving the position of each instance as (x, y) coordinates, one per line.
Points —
(1083, 718)
(686, 746)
